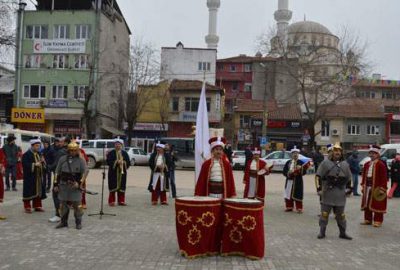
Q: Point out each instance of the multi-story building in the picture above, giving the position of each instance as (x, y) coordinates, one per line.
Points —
(70, 53)
(387, 94)
(184, 96)
(188, 63)
(356, 124)
(7, 81)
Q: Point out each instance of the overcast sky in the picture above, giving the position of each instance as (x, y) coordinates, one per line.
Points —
(165, 22)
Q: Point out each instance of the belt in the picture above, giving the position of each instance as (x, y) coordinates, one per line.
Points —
(253, 173)
(369, 181)
(216, 187)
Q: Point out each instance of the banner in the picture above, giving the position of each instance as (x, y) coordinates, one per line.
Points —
(59, 46)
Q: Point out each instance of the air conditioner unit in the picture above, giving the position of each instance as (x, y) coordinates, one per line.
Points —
(335, 132)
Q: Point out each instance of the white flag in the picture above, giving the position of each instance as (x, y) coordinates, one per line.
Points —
(202, 148)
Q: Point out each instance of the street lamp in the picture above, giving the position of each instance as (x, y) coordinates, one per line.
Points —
(18, 56)
(22, 5)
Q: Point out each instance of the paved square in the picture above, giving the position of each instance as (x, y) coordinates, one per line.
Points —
(142, 236)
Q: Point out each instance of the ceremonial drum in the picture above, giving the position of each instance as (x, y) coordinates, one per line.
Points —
(198, 225)
(243, 228)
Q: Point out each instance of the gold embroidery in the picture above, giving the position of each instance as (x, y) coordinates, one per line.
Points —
(207, 219)
(228, 220)
(183, 218)
(194, 235)
(235, 235)
(248, 223)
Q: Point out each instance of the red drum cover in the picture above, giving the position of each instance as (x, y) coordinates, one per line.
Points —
(198, 225)
(243, 228)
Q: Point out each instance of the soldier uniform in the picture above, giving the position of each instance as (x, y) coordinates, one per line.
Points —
(71, 174)
(334, 175)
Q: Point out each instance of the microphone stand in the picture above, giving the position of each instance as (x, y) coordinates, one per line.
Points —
(101, 212)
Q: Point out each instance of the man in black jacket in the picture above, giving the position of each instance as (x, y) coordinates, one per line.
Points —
(11, 156)
(48, 155)
(169, 150)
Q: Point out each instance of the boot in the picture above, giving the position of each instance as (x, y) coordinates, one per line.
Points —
(343, 234)
(63, 223)
(78, 224)
(322, 231)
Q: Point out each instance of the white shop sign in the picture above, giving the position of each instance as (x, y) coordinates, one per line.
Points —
(59, 46)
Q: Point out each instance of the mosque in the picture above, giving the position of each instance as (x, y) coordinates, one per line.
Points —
(298, 33)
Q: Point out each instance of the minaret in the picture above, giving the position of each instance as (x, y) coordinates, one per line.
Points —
(282, 17)
(212, 37)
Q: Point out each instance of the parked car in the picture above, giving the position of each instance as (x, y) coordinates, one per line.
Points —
(388, 152)
(238, 159)
(137, 156)
(97, 150)
(279, 159)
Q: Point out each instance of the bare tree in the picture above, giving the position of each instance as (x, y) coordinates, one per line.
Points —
(144, 70)
(322, 71)
(7, 31)
(88, 114)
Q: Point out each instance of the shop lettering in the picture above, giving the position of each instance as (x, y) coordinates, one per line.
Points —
(28, 115)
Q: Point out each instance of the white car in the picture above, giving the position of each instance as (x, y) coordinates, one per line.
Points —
(238, 159)
(279, 159)
(388, 153)
(137, 156)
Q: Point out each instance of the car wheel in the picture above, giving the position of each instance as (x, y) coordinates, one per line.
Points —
(133, 162)
(91, 162)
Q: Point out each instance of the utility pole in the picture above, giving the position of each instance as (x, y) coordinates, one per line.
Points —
(18, 56)
(265, 109)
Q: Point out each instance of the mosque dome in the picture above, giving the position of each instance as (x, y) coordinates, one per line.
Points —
(308, 27)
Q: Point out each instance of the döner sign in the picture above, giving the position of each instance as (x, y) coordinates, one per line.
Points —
(22, 115)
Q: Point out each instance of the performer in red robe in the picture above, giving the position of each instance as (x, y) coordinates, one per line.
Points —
(374, 187)
(294, 187)
(20, 173)
(216, 176)
(255, 182)
(159, 163)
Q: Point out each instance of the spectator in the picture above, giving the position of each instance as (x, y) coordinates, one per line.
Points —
(354, 161)
(228, 152)
(48, 155)
(11, 158)
(248, 155)
(169, 150)
(395, 175)
(317, 157)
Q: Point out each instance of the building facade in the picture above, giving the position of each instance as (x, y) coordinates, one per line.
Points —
(184, 96)
(356, 124)
(387, 94)
(188, 63)
(7, 86)
(67, 51)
